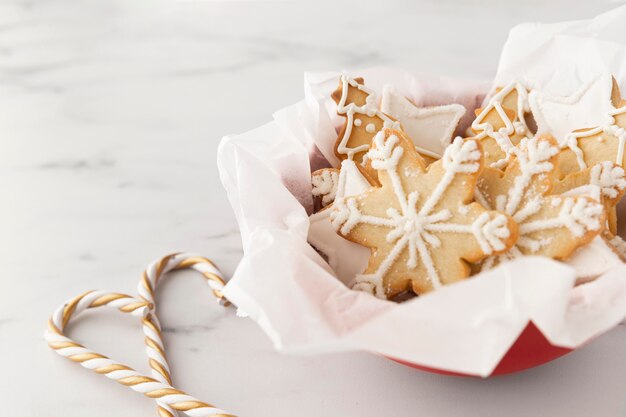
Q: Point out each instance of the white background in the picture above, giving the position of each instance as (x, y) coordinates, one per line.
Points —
(110, 115)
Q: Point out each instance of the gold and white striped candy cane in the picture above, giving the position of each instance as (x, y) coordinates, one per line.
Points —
(151, 326)
(161, 389)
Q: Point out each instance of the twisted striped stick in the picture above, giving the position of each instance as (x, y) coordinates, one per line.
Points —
(151, 325)
(169, 399)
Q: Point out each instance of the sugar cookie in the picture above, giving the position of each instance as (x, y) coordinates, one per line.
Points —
(358, 105)
(421, 225)
(549, 225)
(501, 124)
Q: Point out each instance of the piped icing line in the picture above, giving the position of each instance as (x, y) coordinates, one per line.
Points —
(411, 228)
(324, 184)
(610, 128)
(370, 108)
(609, 177)
(533, 161)
(503, 135)
(578, 215)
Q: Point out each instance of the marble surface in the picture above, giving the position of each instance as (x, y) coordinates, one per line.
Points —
(110, 115)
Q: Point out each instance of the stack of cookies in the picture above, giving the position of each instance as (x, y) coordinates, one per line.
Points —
(411, 209)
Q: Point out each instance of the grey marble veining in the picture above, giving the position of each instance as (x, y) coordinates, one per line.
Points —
(110, 115)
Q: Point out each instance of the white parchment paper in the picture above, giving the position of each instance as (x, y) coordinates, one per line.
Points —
(286, 286)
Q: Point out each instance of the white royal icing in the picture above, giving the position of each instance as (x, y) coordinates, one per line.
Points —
(609, 177)
(370, 108)
(413, 227)
(324, 185)
(503, 135)
(577, 215)
(588, 190)
(430, 128)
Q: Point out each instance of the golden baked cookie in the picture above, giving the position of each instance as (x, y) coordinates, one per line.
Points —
(552, 225)
(501, 124)
(421, 224)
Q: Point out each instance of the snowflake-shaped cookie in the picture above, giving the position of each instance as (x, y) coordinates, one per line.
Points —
(358, 104)
(421, 224)
(501, 124)
(550, 225)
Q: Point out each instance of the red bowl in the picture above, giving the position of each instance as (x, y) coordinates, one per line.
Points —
(529, 350)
